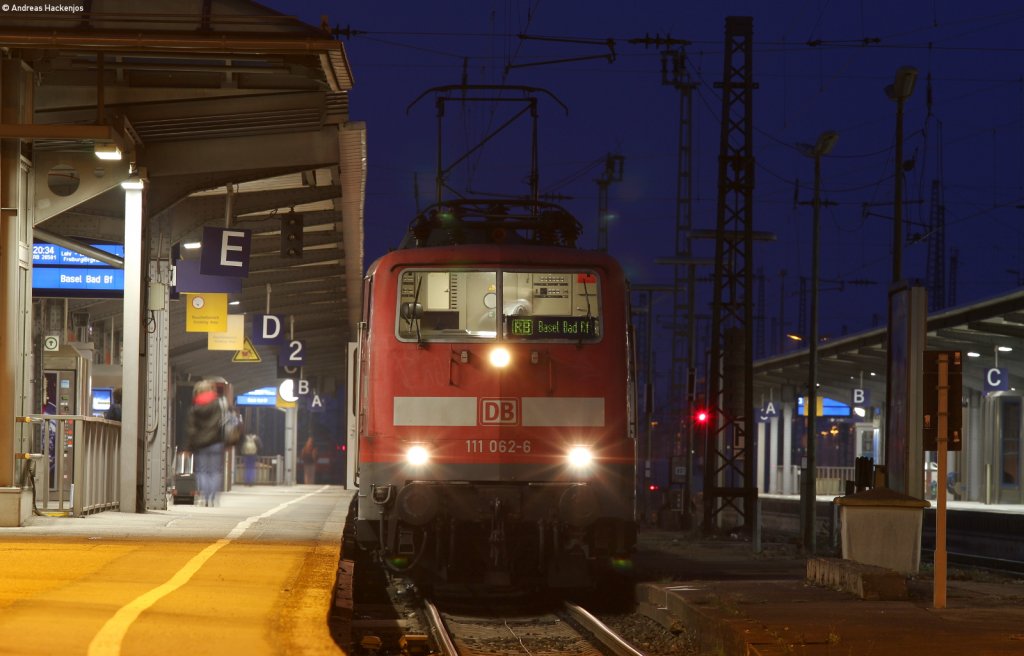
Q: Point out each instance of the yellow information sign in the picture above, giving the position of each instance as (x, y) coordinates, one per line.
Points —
(206, 313)
(231, 339)
(247, 353)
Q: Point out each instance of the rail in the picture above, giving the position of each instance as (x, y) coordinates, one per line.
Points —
(73, 463)
(611, 640)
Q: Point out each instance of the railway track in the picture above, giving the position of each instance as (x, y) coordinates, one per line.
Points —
(569, 630)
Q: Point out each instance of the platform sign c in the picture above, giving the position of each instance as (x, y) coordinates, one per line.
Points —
(997, 380)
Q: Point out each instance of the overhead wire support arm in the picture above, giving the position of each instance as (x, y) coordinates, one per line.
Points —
(461, 93)
(608, 43)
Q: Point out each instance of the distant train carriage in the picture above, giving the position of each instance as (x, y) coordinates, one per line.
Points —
(496, 422)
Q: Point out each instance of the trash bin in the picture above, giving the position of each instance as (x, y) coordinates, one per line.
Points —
(882, 527)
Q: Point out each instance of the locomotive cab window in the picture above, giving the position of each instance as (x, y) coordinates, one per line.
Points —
(448, 306)
(551, 306)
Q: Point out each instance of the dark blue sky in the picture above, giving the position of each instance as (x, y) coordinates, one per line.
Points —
(819, 65)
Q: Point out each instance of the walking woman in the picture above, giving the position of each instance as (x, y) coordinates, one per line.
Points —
(205, 440)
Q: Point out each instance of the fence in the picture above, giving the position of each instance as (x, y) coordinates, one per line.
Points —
(269, 470)
(828, 480)
(72, 464)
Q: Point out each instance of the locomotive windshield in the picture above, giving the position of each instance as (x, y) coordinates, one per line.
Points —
(457, 305)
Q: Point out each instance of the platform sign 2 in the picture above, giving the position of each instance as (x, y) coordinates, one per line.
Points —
(292, 354)
(954, 400)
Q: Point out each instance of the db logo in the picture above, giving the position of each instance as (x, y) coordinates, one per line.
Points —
(499, 411)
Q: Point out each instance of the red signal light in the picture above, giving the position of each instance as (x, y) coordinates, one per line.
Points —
(701, 416)
(652, 487)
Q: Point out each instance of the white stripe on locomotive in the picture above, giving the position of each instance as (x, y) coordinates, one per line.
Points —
(561, 411)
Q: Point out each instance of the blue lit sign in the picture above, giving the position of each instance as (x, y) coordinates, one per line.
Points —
(262, 396)
(59, 271)
(829, 407)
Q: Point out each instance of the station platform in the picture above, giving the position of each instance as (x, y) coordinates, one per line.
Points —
(742, 603)
(252, 575)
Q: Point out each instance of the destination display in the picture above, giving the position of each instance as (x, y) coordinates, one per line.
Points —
(59, 271)
(534, 327)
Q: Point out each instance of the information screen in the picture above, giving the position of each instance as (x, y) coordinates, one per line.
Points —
(58, 271)
(518, 327)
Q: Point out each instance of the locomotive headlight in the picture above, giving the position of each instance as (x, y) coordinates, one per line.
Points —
(500, 357)
(417, 455)
(580, 457)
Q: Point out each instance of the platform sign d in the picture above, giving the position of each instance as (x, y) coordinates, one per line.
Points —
(267, 329)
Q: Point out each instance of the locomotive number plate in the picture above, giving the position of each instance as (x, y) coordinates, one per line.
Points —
(498, 446)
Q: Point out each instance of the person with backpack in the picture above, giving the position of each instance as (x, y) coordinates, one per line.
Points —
(211, 423)
(251, 445)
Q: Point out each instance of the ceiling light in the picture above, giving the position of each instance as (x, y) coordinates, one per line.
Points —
(107, 151)
(1005, 349)
(133, 183)
(191, 245)
(973, 354)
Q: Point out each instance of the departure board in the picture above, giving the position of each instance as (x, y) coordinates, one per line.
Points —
(534, 327)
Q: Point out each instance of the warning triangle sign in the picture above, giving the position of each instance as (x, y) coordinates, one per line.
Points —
(247, 353)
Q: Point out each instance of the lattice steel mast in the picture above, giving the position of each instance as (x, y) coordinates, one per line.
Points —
(728, 471)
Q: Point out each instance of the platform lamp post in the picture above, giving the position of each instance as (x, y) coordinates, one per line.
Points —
(901, 89)
(821, 147)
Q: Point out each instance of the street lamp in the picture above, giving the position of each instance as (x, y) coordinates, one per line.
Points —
(823, 146)
(899, 91)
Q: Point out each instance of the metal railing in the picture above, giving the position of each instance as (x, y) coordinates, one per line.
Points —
(269, 470)
(73, 463)
(828, 480)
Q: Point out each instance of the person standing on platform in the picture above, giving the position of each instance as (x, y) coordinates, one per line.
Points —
(204, 430)
(308, 456)
(251, 445)
(114, 411)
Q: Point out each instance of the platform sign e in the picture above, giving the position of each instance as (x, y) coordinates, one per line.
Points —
(225, 252)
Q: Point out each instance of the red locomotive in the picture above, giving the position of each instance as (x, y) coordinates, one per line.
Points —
(496, 421)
